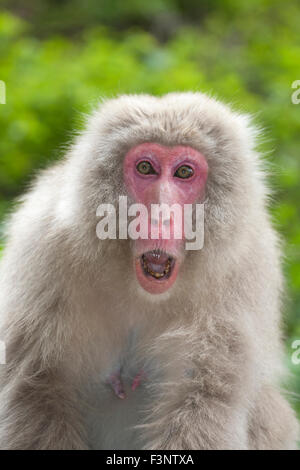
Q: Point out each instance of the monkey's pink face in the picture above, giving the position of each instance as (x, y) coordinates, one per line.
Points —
(155, 175)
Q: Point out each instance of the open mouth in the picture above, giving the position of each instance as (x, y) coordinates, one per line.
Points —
(156, 271)
(157, 264)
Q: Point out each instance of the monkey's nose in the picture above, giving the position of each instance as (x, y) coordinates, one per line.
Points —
(164, 220)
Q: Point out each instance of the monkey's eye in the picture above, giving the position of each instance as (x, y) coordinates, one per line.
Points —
(184, 172)
(145, 168)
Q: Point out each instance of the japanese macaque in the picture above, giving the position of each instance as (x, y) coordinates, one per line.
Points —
(131, 344)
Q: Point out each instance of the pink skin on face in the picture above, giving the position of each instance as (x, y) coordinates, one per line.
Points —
(163, 187)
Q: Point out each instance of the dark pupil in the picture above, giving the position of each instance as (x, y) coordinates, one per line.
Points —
(144, 167)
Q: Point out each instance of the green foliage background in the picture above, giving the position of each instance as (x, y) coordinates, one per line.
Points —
(58, 57)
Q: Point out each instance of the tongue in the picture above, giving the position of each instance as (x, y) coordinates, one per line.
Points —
(156, 261)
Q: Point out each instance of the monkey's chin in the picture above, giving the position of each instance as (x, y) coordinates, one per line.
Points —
(156, 271)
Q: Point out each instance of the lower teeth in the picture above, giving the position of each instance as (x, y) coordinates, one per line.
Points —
(155, 274)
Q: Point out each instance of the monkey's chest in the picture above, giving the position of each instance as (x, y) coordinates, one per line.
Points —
(118, 401)
(118, 405)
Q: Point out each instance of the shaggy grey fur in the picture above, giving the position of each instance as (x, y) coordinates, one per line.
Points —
(72, 311)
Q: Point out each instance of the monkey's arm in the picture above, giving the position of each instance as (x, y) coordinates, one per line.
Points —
(38, 403)
(273, 424)
(199, 423)
(207, 424)
(38, 411)
(206, 409)
(222, 408)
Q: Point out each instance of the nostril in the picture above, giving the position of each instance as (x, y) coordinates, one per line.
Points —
(165, 221)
